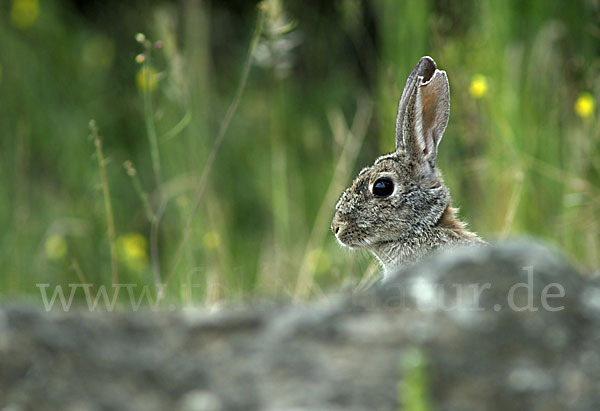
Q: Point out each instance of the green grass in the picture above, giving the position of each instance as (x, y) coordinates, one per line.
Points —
(234, 164)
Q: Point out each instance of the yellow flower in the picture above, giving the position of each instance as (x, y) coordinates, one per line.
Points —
(585, 105)
(146, 79)
(479, 86)
(56, 247)
(24, 13)
(211, 240)
(131, 249)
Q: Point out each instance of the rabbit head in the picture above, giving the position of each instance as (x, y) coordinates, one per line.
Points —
(402, 196)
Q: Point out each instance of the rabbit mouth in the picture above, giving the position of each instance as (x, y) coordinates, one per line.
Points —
(342, 237)
(345, 238)
(347, 233)
(352, 246)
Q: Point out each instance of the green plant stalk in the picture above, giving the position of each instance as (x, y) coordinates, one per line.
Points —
(77, 268)
(137, 185)
(153, 218)
(110, 221)
(179, 127)
(149, 120)
(216, 145)
(352, 143)
(154, 256)
(413, 388)
(155, 156)
(279, 193)
(513, 203)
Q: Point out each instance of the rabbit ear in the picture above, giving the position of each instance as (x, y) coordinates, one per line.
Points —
(423, 111)
(425, 69)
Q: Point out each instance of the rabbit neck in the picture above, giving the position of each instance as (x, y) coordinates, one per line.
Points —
(448, 231)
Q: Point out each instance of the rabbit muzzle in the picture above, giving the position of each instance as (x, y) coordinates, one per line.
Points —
(343, 231)
(337, 226)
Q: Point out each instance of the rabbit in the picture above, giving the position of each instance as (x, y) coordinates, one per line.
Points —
(399, 208)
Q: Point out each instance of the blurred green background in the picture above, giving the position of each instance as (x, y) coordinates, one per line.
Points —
(302, 95)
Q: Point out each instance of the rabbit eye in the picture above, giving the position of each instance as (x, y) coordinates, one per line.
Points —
(383, 187)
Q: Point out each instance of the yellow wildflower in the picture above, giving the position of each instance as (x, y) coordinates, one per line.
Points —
(56, 247)
(211, 240)
(585, 105)
(146, 79)
(24, 13)
(479, 86)
(131, 249)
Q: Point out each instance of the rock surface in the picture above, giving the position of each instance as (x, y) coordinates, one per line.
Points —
(422, 339)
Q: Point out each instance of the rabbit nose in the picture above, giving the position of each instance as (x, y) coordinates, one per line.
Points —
(336, 225)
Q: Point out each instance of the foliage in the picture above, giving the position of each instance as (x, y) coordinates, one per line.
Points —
(521, 153)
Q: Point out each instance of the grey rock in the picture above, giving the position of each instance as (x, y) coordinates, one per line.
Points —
(443, 329)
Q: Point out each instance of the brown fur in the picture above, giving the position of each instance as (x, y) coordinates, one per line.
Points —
(448, 220)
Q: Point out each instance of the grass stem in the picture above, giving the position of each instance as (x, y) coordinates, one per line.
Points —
(351, 147)
(110, 221)
(216, 145)
(149, 120)
(137, 185)
(513, 204)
